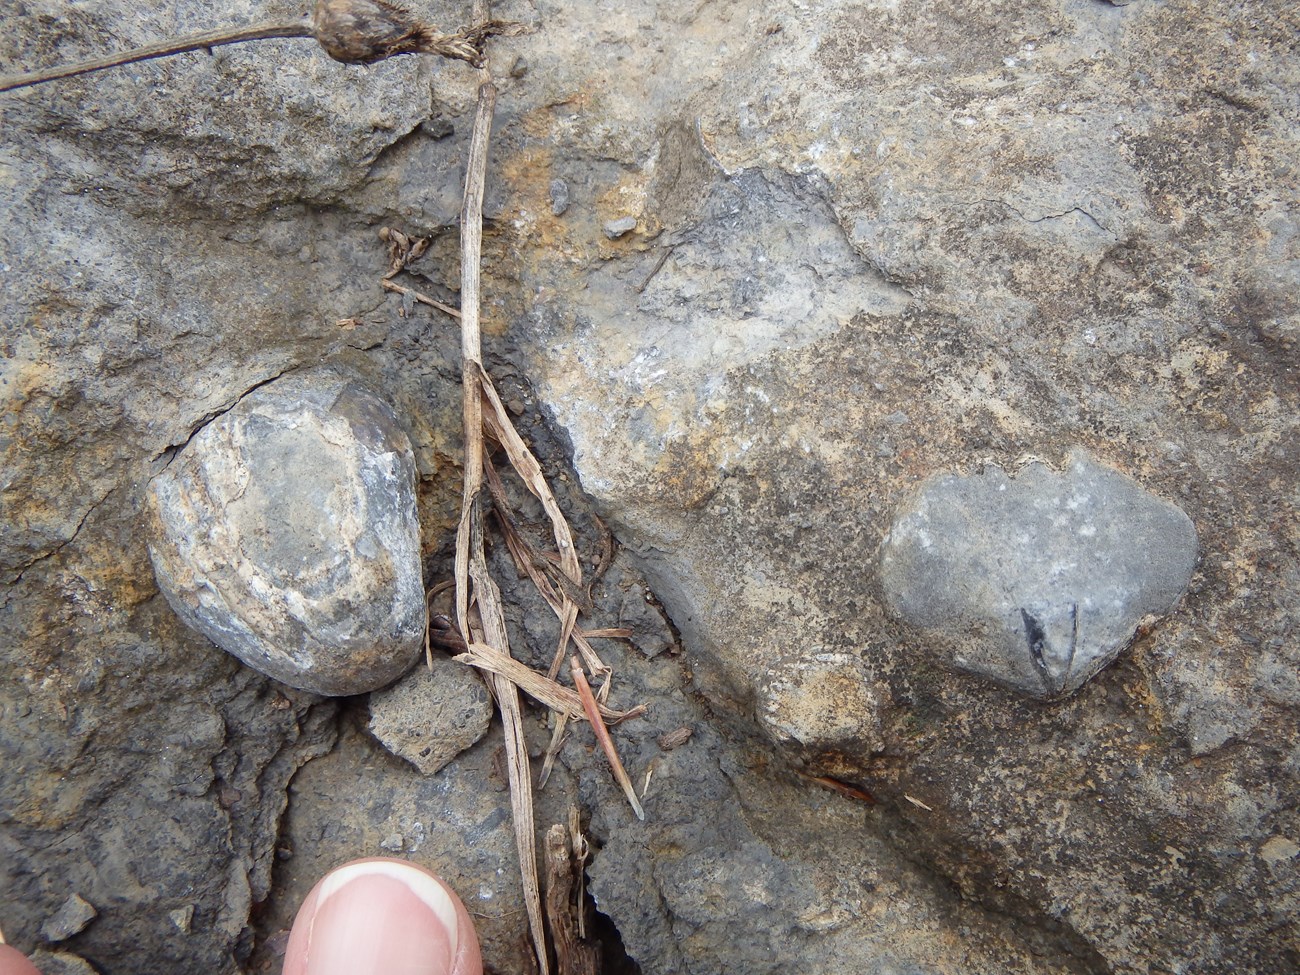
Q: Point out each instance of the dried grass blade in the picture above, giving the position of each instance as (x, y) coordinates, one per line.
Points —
(522, 554)
(559, 736)
(607, 633)
(602, 735)
(501, 428)
(488, 599)
(469, 535)
(525, 464)
(554, 695)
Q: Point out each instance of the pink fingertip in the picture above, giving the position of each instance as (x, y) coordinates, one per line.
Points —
(14, 962)
(382, 917)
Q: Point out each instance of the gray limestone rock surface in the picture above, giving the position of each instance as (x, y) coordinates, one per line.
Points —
(1036, 579)
(432, 714)
(286, 532)
(822, 700)
(875, 243)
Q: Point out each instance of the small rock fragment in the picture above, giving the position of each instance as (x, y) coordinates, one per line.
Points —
(71, 918)
(431, 715)
(675, 738)
(60, 963)
(1278, 850)
(822, 700)
(1036, 581)
(182, 917)
(559, 197)
(615, 229)
(285, 531)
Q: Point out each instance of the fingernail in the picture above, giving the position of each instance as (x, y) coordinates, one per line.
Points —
(382, 917)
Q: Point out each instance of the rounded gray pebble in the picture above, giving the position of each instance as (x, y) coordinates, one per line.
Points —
(285, 531)
(1036, 581)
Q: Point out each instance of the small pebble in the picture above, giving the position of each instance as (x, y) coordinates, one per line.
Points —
(71, 918)
(615, 229)
(559, 197)
(431, 715)
(674, 739)
(182, 918)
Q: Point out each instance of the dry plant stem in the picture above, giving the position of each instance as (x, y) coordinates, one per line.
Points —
(602, 734)
(581, 850)
(471, 236)
(525, 464)
(554, 695)
(565, 907)
(162, 49)
(522, 554)
(421, 298)
(470, 535)
(491, 615)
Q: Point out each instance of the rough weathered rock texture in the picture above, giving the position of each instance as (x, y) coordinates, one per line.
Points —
(432, 714)
(1036, 580)
(285, 531)
(1006, 232)
(822, 701)
(873, 243)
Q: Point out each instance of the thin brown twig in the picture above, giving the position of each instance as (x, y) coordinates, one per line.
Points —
(527, 559)
(421, 298)
(162, 49)
(663, 259)
(529, 470)
(562, 603)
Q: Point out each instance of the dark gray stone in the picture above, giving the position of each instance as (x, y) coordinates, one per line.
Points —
(559, 192)
(1036, 580)
(72, 917)
(285, 531)
(432, 714)
(61, 963)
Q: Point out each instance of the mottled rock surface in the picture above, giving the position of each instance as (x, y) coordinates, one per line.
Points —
(874, 243)
(1036, 579)
(823, 701)
(432, 714)
(285, 531)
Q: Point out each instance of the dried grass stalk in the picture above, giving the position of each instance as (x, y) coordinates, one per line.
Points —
(470, 561)
(554, 695)
(592, 708)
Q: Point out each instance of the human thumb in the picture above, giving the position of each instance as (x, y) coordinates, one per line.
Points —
(382, 917)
